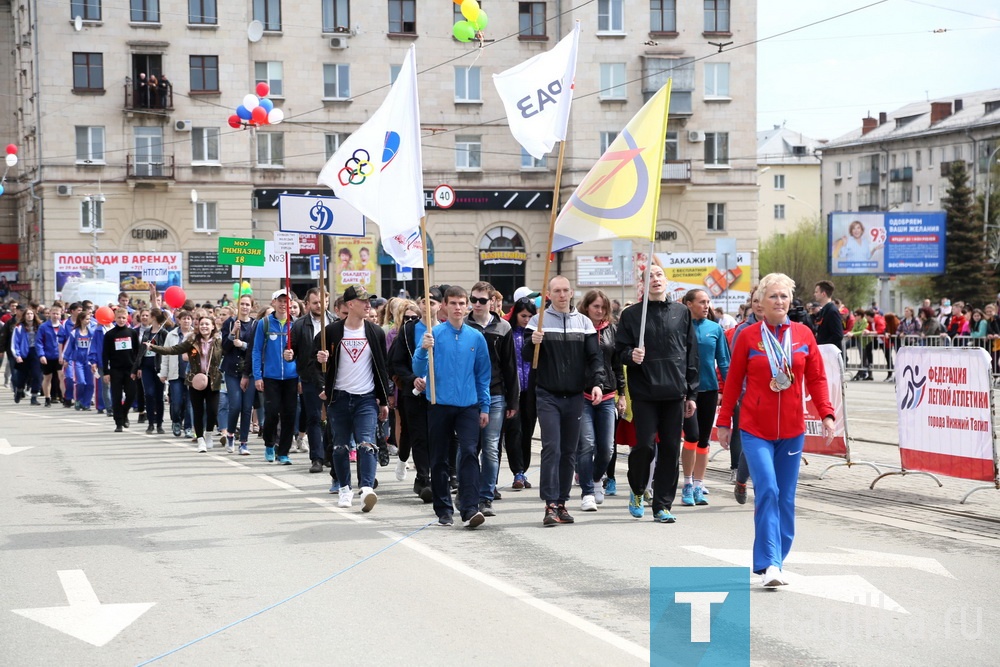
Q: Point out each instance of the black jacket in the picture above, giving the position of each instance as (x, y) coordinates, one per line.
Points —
(376, 340)
(669, 371)
(570, 360)
(829, 325)
(157, 339)
(500, 341)
(614, 372)
(401, 358)
(305, 353)
(234, 359)
(121, 348)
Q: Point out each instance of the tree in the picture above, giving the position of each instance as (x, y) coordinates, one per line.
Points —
(802, 255)
(967, 275)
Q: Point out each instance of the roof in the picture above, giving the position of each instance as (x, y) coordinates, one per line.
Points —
(915, 120)
(776, 146)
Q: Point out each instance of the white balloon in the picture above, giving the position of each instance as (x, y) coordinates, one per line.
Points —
(11, 160)
(275, 116)
(250, 102)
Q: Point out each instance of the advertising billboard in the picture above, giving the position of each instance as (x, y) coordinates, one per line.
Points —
(689, 270)
(133, 271)
(880, 243)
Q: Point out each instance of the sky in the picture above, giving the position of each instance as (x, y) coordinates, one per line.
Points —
(822, 80)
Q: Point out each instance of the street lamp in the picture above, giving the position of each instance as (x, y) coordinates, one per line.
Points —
(806, 204)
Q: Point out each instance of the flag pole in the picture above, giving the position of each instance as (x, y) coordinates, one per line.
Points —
(645, 289)
(427, 307)
(288, 296)
(322, 297)
(552, 233)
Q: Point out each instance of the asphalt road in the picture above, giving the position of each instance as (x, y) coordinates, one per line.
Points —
(244, 561)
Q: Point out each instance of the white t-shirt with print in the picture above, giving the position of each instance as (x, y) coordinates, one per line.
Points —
(354, 365)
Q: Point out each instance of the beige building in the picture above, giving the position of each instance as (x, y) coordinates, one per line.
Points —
(161, 175)
(789, 180)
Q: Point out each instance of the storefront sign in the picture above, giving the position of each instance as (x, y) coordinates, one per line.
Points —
(502, 256)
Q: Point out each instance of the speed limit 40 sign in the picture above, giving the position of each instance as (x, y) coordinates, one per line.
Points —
(444, 196)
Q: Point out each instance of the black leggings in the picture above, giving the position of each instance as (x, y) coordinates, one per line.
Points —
(652, 419)
(698, 427)
(202, 400)
(519, 431)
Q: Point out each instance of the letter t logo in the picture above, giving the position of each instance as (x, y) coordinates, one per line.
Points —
(701, 612)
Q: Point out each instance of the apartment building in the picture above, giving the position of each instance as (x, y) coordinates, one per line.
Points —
(789, 180)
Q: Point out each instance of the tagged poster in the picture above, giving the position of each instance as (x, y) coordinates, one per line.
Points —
(133, 271)
(689, 270)
(354, 261)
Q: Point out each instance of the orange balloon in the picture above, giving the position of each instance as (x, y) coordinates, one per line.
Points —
(458, 2)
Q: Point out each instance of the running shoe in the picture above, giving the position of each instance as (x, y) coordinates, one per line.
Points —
(230, 444)
(176, 430)
(353, 456)
(611, 489)
(445, 520)
(588, 504)
(335, 487)
(474, 521)
(346, 496)
(772, 577)
(188, 433)
(160, 431)
(401, 470)
(202, 446)
(486, 508)
(687, 495)
(732, 476)
(284, 460)
(368, 498)
(317, 466)
(269, 454)
(598, 494)
(244, 450)
(664, 516)
(699, 496)
(551, 515)
(518, 481)
(740, 492)
(635, 507)
(564, 516)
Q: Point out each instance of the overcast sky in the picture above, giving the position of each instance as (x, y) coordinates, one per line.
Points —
(822, 80)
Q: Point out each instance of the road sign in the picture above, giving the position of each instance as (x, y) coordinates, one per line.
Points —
(314, 265)
(444, 196)
(287, 242)
(248, 252)
(404, 273)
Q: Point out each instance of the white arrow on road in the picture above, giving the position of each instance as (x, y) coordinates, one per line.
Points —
(7, 450)
(86, 618)
(852, 557)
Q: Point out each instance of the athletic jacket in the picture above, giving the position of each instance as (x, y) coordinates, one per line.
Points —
(78, 346)
(570, 360)
(121, 347)
(829, 325)
(765, 413)
(459, 355)
(21, 344)
(669, 371)
(712, 352)
(48, 340)
(503, 366)
(614, 372)
(96, 354)
(376, 341)
(267, 359)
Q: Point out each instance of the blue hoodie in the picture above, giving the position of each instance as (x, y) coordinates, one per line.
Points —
(459, 354)
(21, 343)
(47, 341)
(96, 354)
(274, 366)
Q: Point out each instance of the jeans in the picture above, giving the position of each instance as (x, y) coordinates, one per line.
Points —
(152, 387)
(313, 409)
(652, 419)
(180, 406)
(489, 446)
(353, 415)
(103, 393)
(774, 466)
(240, 406)
(281, 397)
(597, 440)
(445, 421)
(559, 419)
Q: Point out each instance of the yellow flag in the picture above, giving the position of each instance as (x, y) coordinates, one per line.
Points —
(618, 196)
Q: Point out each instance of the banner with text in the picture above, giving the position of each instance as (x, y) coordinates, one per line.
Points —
(687, 270)
(133, 271)
(815, 442)
(886, 243)
(354, 262)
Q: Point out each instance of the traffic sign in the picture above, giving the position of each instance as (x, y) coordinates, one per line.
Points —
(248, 252)
(444, 196)
(403, 273)
(314, 265)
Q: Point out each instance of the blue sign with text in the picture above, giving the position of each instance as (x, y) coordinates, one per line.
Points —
(878, 243)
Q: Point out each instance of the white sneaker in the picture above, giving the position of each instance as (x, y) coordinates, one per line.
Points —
(598, 493)
(732, 476)
(401, 470)
(346, 496)
(588, 504)
(368, 498)
(299, 446)
(202, 446)
(772, 577)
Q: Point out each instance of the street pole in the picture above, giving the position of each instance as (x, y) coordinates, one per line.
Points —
(986, 204)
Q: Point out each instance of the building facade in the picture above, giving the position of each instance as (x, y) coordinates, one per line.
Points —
(789, 180)
(107, 161)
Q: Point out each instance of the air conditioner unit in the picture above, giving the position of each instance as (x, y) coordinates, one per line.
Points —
(182, 126)
(64, 190)
(696, 136)
(338, 42)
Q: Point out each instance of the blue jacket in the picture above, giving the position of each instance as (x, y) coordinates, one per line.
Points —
(712, 351)
(459, 354)
(267, 359)
(96, 354)
(21, 344)
(47, 341)
(78, 346)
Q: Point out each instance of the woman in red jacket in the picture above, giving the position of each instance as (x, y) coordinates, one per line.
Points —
(776, 357)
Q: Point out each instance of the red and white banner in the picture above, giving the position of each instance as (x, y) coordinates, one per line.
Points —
(815, 442)
(945, 405)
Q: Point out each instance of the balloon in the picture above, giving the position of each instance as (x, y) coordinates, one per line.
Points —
(458, 2)
(11, 159)
(174, 296)
(481, 20)
(258, 116)
(11, 149)
(243, 112)
(104, 315)
(235, 122)
(267, 104)
(251, 101)
(246, 285)
(470, 10)
(463, 31)
(275, 116)
(263, 90)
(236, 291)
(1, 190)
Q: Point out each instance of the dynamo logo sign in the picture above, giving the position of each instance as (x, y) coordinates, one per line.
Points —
(322, 216)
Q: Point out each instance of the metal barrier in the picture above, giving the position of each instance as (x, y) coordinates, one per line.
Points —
(870, 353)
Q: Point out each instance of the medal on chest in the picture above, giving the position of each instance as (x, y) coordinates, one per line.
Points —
(779, 357)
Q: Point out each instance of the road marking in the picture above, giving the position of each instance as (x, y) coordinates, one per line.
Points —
(7, 450)
(342, 511)
(596, 631)
(278, 483)
(86, 618)
(852, 557)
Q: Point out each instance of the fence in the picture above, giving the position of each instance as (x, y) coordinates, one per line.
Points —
(868, 354)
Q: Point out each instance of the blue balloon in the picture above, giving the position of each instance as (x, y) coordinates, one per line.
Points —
(267, 104)
(243, 112)
(1, 189)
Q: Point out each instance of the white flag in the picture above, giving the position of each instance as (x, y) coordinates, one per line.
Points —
(406, 248)
(537, 95)
(378, 169)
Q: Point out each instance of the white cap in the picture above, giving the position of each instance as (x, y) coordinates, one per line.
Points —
(524, 293)
(279, 293)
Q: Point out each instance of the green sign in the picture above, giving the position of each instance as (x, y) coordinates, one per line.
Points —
(246, 252)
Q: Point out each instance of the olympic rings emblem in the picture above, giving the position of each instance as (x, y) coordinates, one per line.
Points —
(357, 168)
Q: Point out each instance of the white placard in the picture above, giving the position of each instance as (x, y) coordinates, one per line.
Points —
(274, 264)
(286, 242)
(306, 214)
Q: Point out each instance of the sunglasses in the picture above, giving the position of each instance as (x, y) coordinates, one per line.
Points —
(411, 318)
(482, 301)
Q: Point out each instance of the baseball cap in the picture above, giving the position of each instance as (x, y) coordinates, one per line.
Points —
(437, 293)
(278, 294)
(525, 293)
(357, 292)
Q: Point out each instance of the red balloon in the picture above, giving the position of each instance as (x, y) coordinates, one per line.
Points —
(258, 116)
(263, 90)
(104, 315)
(235, 122)
(11, 149)
(174, 297)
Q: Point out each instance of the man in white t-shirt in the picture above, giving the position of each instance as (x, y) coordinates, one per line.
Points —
(356, 391)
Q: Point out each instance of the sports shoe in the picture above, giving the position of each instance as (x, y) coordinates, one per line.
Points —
(353, 456)
(687, 495)
(740, 493)
(118, 429)
(772, 577)
(393, 450)
(474, 521)
(519, 480)
(269, 454)
(230, 444)
(346, 496)
(299, 443)
(400, 470)
(142, 417)
(427, 494)
(635, 507)
(284, 460)
(611, 489)
(486, 508)
(564, 516)
(647, 498)
(160, 431)
(224, 441)
(664, 516)
(704, 490)
(699, 496)
(496, 494)
(34, 400)
(188, 433)
(202, 446)
(317, 466)
(368, 498)
(551, 515)
(598, 494)
(445, 520)
(150, 428)
(244, 450)
(588, 504)
(335, 487)
(176, 429)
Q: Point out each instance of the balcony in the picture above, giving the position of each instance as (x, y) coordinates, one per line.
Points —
(901, 175)
(145, 168)
(677, 170)
(868, 177)
(147, 100)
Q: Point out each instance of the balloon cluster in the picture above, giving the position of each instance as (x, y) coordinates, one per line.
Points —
(11, 160)
(240, 290)
(476, 20)
(257, 110)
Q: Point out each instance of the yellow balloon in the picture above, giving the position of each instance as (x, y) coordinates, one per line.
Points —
(470, 10)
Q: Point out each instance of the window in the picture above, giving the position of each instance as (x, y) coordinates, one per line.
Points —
(205, 145)
(837, 170)
(468, 152)
(956, 153)
(612, 81)
(332, 141)
(655, 75)
(90, 145)
(607, 138)
(149, 158)
(206, 218)
(716, 15)
(528, 161)
(894, 160)
(88, 10)
(716, 217)
(850, 169)
(930, 157)
(610, 16)
(467, 85)
(92, 214)
(270, 149)
(663, 16)
(671, 150)
(838, 200)
(918, 194)
(403, 16)
(204, 74)
(144, 11)
(779, 181)
(850, 202)
(336, 82)
(716, 148)
(531, 19)
(88, 71)
(202, 12)
(717, 80)
(336, 16)
(919, 160)
(270, 73)
(268, 12)
(779, 211)
(930, 194)
(394, 71)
